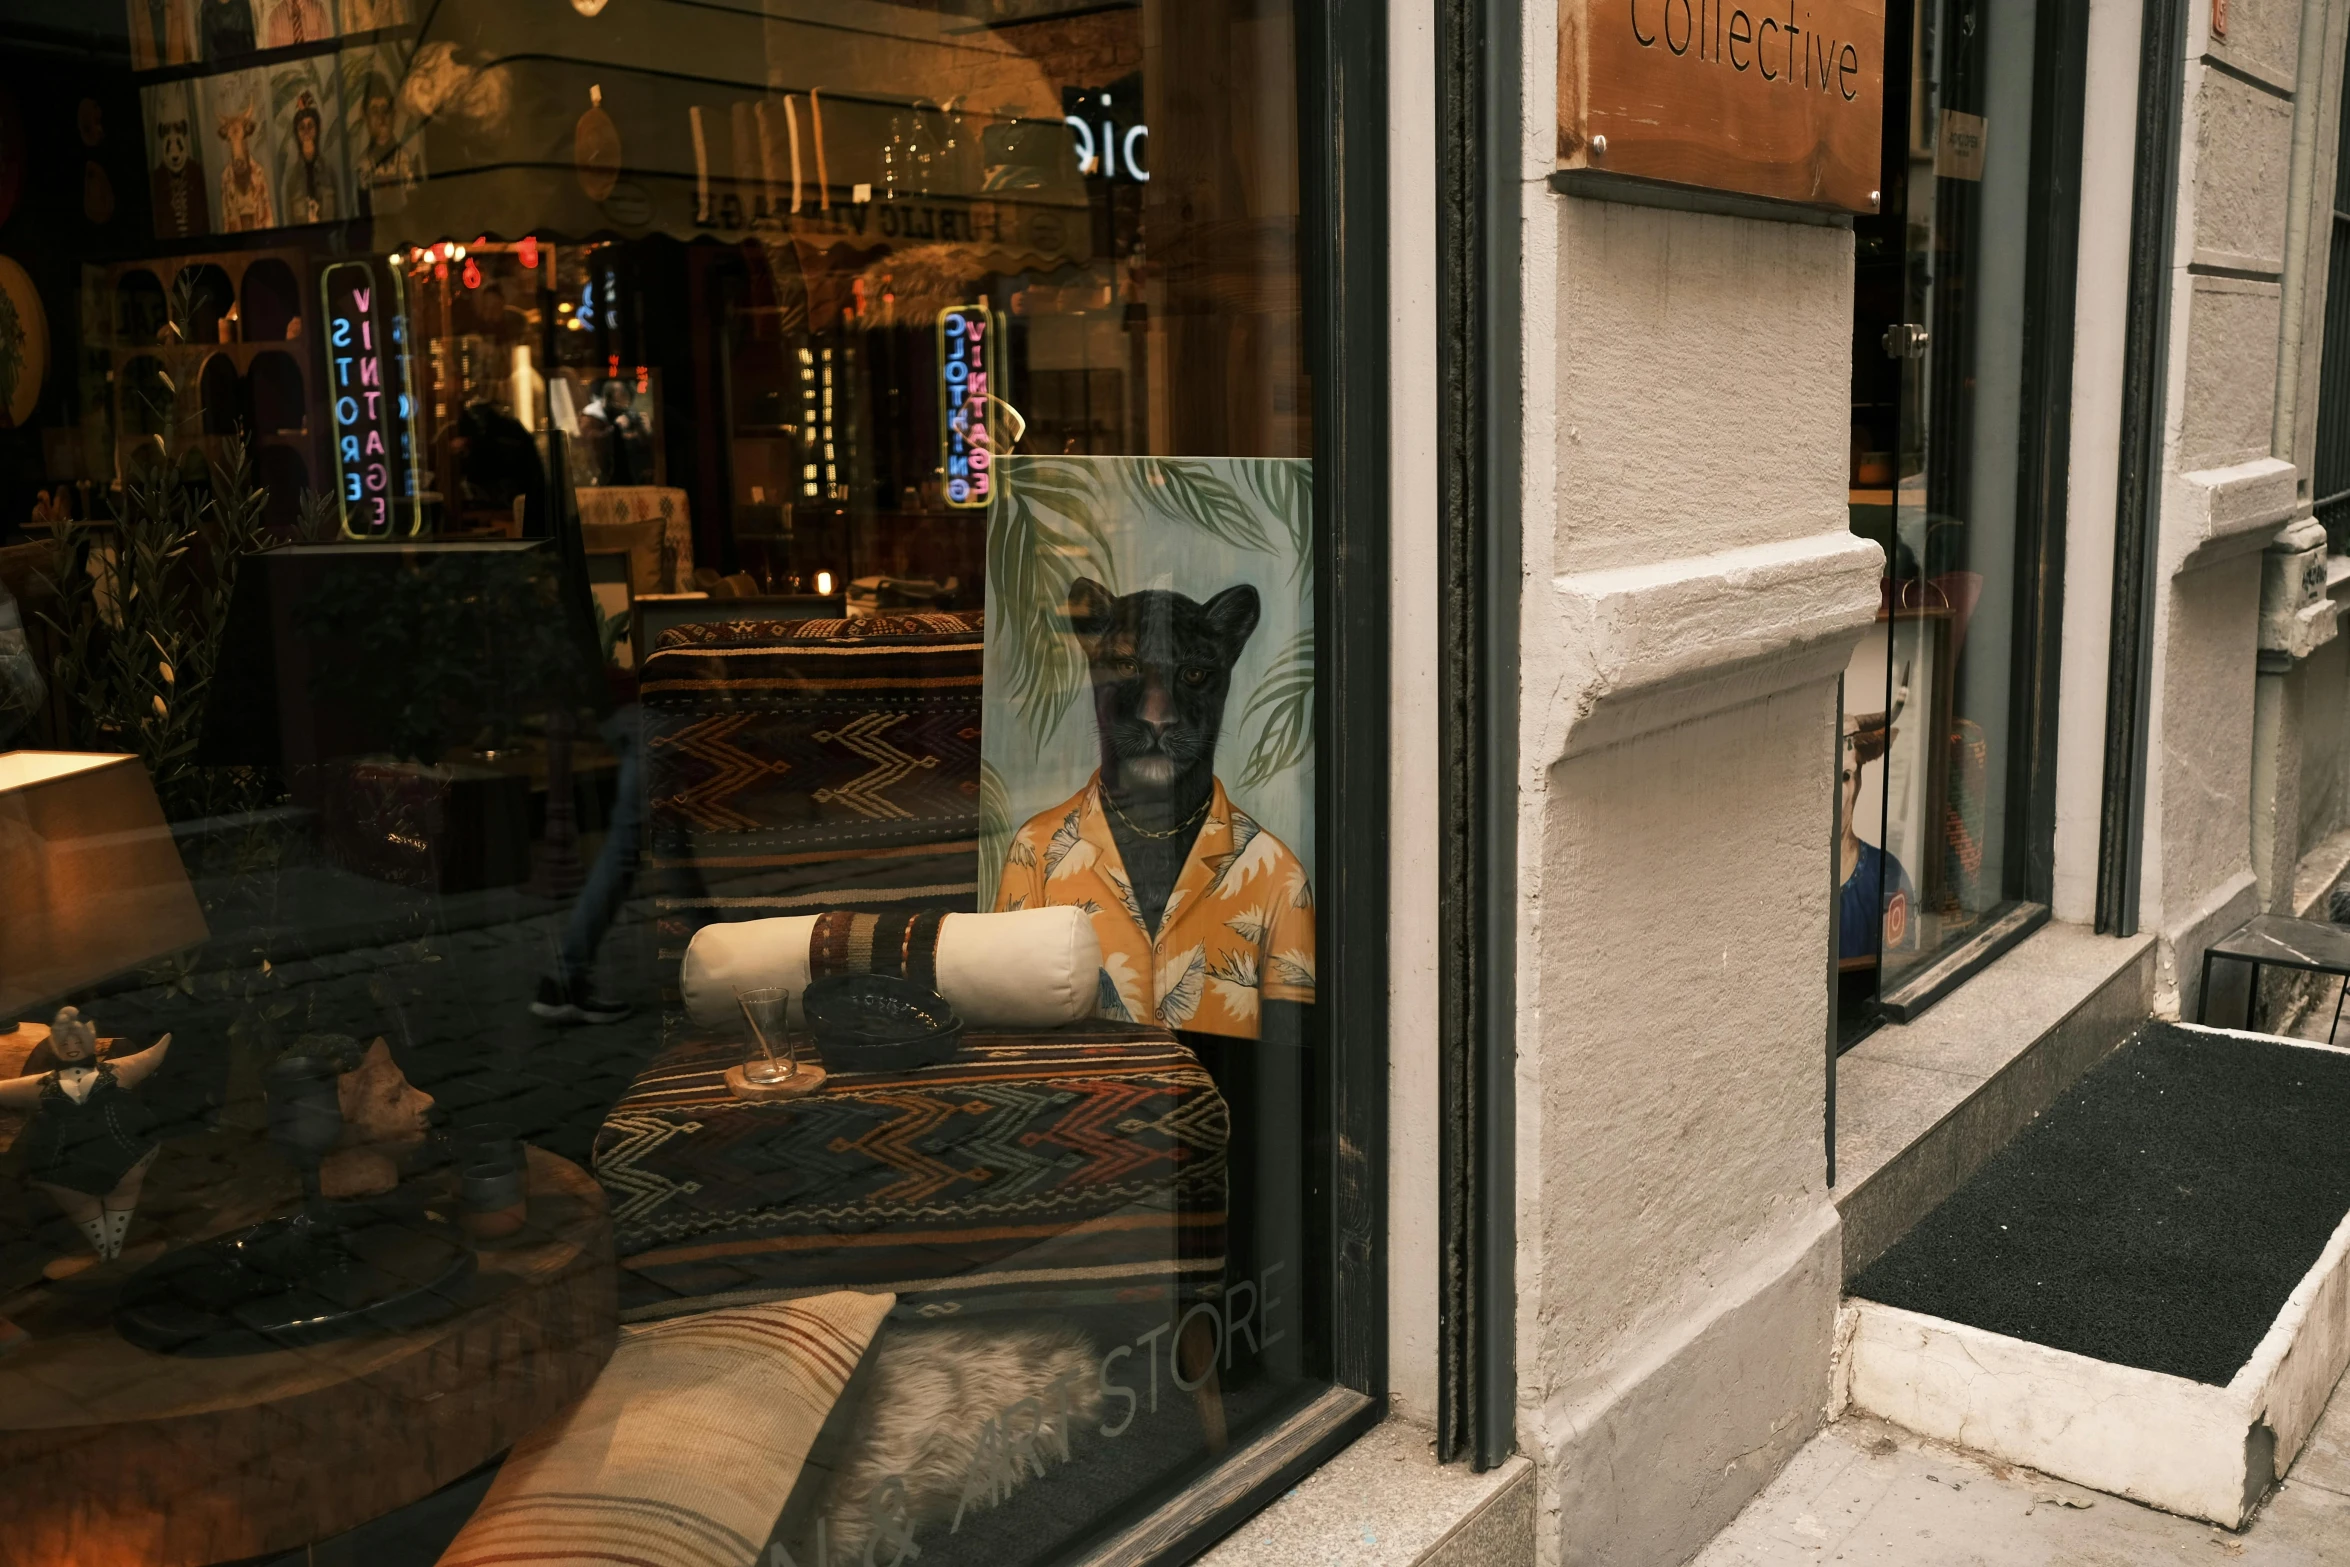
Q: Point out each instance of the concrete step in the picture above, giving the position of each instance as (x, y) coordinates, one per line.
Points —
(1920, 1106)
(2149, 1293)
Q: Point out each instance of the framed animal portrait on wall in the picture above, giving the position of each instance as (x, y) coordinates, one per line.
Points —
(176, 184)
(1147, 743)
(237, 113)
(306, 115)
(385, 141)
(162, 33)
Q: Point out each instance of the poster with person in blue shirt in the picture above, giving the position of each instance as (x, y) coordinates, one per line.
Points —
(1878, 898)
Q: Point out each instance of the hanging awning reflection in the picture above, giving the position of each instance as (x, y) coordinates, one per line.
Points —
(861, 129)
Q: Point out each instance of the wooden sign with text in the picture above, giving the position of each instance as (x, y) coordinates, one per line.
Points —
(1779, 99)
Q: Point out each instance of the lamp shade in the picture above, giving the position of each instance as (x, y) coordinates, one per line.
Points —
(90, 882)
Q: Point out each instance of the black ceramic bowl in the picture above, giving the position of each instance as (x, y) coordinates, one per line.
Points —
(879, 1023)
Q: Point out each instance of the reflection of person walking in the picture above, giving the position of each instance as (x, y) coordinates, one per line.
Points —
(568, 995)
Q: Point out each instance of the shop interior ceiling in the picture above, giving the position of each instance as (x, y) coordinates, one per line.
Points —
(904, 131)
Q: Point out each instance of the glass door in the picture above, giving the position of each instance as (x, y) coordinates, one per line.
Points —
(1943, 404)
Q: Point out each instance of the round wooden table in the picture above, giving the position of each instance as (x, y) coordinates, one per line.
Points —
(114, 1457)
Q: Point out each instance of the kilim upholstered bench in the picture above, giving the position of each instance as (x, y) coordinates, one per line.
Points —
(804, 765)
(1064, 1169)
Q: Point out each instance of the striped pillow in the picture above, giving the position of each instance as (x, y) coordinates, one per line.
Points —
(684, 1451)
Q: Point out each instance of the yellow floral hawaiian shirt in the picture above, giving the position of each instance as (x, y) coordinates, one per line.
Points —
(1238, 926)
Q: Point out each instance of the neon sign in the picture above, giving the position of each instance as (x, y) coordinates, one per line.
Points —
(966, 344)
(1110, 140)
(368, 397)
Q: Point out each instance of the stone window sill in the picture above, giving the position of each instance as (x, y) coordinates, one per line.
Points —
(1387, 1502)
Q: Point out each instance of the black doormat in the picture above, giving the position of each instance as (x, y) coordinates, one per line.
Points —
(2157, 1215)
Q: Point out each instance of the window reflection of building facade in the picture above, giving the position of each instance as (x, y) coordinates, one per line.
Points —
(675, 486)
(1947, 405)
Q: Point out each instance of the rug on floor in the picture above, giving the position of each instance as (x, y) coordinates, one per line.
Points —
(2157, 1215)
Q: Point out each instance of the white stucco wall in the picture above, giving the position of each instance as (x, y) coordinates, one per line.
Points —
(1691, 592)
(2227, 488)
(1690, 588)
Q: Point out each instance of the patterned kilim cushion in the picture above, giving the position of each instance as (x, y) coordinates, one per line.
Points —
(1079, 1167)
(804, 765)
(684, 1451)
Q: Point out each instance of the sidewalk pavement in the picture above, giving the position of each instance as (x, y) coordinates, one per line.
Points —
(1868, 1493)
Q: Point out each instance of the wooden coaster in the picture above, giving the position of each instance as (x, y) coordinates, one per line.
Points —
(803, 1082)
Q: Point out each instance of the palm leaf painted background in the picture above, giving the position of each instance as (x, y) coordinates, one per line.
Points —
(1196, 525)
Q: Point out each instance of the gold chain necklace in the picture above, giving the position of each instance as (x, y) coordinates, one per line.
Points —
(1132, 825)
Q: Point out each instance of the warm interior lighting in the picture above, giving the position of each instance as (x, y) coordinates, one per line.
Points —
(824, 582)
(94, 883)
(20, 769)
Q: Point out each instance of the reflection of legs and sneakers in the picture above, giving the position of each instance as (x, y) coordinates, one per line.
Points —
(1264, 1087)
(568, 995)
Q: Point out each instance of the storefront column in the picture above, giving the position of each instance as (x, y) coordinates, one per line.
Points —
(2225, 493)
(1692, 591)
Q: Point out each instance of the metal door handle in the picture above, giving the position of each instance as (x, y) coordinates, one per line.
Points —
(1906, 340)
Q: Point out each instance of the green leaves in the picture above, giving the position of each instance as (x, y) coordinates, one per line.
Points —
(1286, 489)
(995, 831)
(1048, 530)
(1193, 492)
(1282, 707)
(141, 610)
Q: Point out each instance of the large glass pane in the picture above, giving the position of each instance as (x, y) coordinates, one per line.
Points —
(1938, 417)
(656, 777)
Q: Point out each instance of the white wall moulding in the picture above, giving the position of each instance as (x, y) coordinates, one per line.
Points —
(2189, 1447)
(2297, 615)
(1659, 644)
(1726, 96)
(1649, 1457)
(2139, 489)
(2178, 984)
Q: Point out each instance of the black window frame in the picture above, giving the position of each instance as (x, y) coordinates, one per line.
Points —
(2330, 462)
(1343, 251)
(2043, 471)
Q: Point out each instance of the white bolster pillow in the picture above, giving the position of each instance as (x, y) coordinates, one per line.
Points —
(1030, 968)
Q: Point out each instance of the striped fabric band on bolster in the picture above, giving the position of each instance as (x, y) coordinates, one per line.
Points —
(898, 942)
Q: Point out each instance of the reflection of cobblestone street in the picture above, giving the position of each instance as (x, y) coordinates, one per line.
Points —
(451, 993)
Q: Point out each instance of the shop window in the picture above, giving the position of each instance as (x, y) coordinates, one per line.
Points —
(200, 302)
(283, 479)
(225, 408)
(139, 310)
(149, 401)
(696, 677)
(1942, 858)
(280, 400)
(271, 301)
(2331, 478)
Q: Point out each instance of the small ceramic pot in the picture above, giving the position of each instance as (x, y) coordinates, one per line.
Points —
(493, 1199)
